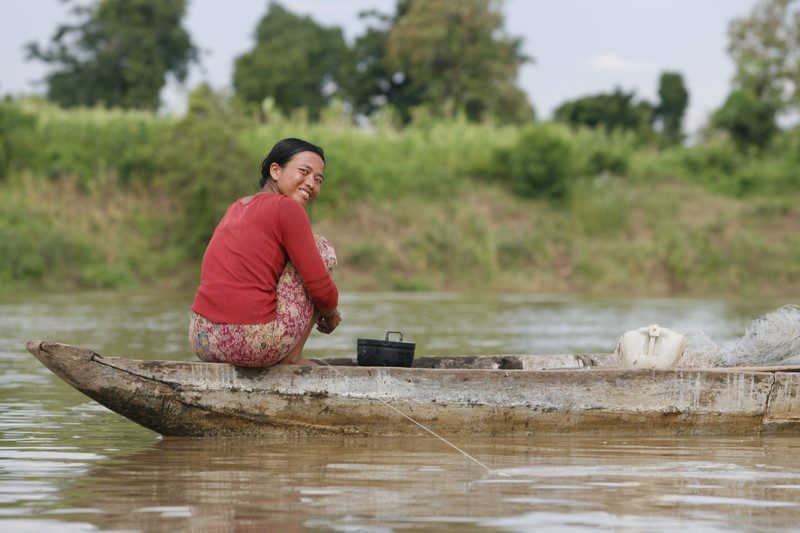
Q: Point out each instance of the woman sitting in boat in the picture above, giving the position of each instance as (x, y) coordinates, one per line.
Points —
(265, 278)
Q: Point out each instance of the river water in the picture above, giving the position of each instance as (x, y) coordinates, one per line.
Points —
(68, 464)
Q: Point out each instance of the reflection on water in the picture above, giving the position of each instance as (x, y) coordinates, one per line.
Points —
(366, 484)
(67, 464)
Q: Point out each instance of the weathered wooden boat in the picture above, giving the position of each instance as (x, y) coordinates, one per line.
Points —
(489, 395)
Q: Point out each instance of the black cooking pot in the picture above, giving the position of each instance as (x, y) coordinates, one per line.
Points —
(385, 353)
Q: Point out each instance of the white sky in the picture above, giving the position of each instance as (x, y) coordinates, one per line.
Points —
(580, 47)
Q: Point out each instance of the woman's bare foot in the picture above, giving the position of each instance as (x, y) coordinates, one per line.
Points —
(295, 357)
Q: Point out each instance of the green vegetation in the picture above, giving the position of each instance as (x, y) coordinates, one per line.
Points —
(673, 99)
(614, 111)
(434, 58)
(748, 120)
(764, 48)
(458, 57)
(620, 111)
(110, 198)
(541, 164)
(448, 184)
(292, 58)
(117, 53)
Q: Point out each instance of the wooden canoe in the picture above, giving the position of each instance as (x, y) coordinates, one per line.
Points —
(489, 395)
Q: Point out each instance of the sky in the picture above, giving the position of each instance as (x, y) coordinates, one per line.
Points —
(579, 47)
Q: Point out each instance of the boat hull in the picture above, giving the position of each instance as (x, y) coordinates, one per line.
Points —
(203, 399)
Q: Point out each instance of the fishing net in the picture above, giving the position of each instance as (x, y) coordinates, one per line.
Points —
(770, 340)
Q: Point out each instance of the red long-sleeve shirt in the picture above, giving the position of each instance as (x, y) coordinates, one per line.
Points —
(247, 254)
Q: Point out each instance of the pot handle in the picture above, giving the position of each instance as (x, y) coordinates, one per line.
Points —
(398, 332)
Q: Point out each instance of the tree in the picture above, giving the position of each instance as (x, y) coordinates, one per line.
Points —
(295, 61)
(673, 100)
(458, 56)
(765, 46)
(118, 53)
(370, 83)
(747, 119)
(617, 110)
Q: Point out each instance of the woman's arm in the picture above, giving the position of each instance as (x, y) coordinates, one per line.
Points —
(327, 322)
(304, 255)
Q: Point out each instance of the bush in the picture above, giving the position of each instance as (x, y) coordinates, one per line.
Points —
(204, 165)
(713, 164)
(749, 121)
(541, 163)
(598, 152)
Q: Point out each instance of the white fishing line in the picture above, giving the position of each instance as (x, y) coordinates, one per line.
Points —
(393, 408)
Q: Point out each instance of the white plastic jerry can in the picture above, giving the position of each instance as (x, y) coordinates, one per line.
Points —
(649, 348)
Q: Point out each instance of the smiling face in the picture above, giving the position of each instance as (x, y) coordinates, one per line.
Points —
(300, 178)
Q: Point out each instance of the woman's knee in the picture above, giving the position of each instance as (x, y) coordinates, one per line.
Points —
(327, 251)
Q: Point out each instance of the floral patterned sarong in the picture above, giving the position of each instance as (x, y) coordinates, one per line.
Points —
(259, 345)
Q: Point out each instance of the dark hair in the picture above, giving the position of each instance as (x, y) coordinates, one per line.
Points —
(283, 152)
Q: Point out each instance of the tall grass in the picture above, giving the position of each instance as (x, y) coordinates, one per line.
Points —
(379, 165)
(87, 143)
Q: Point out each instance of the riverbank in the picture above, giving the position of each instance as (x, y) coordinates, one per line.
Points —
(633, 239)
(669, 239)
(112, 199)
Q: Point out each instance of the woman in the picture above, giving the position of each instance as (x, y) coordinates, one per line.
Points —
(265, 279)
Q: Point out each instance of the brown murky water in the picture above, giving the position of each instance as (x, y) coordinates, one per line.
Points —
(67, 464)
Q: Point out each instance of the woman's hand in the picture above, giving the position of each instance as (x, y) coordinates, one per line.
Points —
(328, 322)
